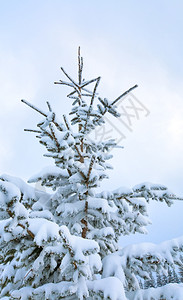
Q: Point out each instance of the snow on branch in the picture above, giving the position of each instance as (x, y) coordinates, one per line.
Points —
(139, 259)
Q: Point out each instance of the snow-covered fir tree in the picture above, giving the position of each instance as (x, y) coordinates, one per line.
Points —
(172, 276)
(159, 280)
(181, 268)
(64, 244)
(176, 278)
(164, 279)
(141, 284)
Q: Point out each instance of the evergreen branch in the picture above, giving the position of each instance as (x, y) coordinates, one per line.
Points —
(28, 231)
(91, 102)
(80, 172)
(33, 107)
(42, 113)
(28, 273)
(65, 83)
(68, 245)
(76, 89)
(69, 172)
(70, 94)
(101, 100)
(86, 95)
(66, 122)
(90, 108)
(88, 82)
(57, 125)
(127, 200)
(21, 225)
(49, 106)
(75, 84)
(47, 133)
(76, 148)
(94, 92)
(80, 66)
(89, 92)
(81, 87)
(54, 137)
(81, 157)
(32, 130)
(115, 101)
(124, 94)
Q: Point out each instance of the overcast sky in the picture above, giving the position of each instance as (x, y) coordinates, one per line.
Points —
(127, 43)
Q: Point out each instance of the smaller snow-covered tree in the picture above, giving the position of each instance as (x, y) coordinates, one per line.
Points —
(170, 278)
(164, 279)
(159, 280)
(150, 282)
(176, 278)
(141, 284)
(181, 268)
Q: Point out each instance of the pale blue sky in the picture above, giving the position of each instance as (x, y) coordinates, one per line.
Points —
(126, 42)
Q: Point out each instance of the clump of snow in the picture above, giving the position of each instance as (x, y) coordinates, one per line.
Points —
(86, 246)
(123, 191)
(112, 266)
(8, 192)
(21, 211)
(27, 190)
(43, 230)
(48, 291)
(49, 172)
(109, 288)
